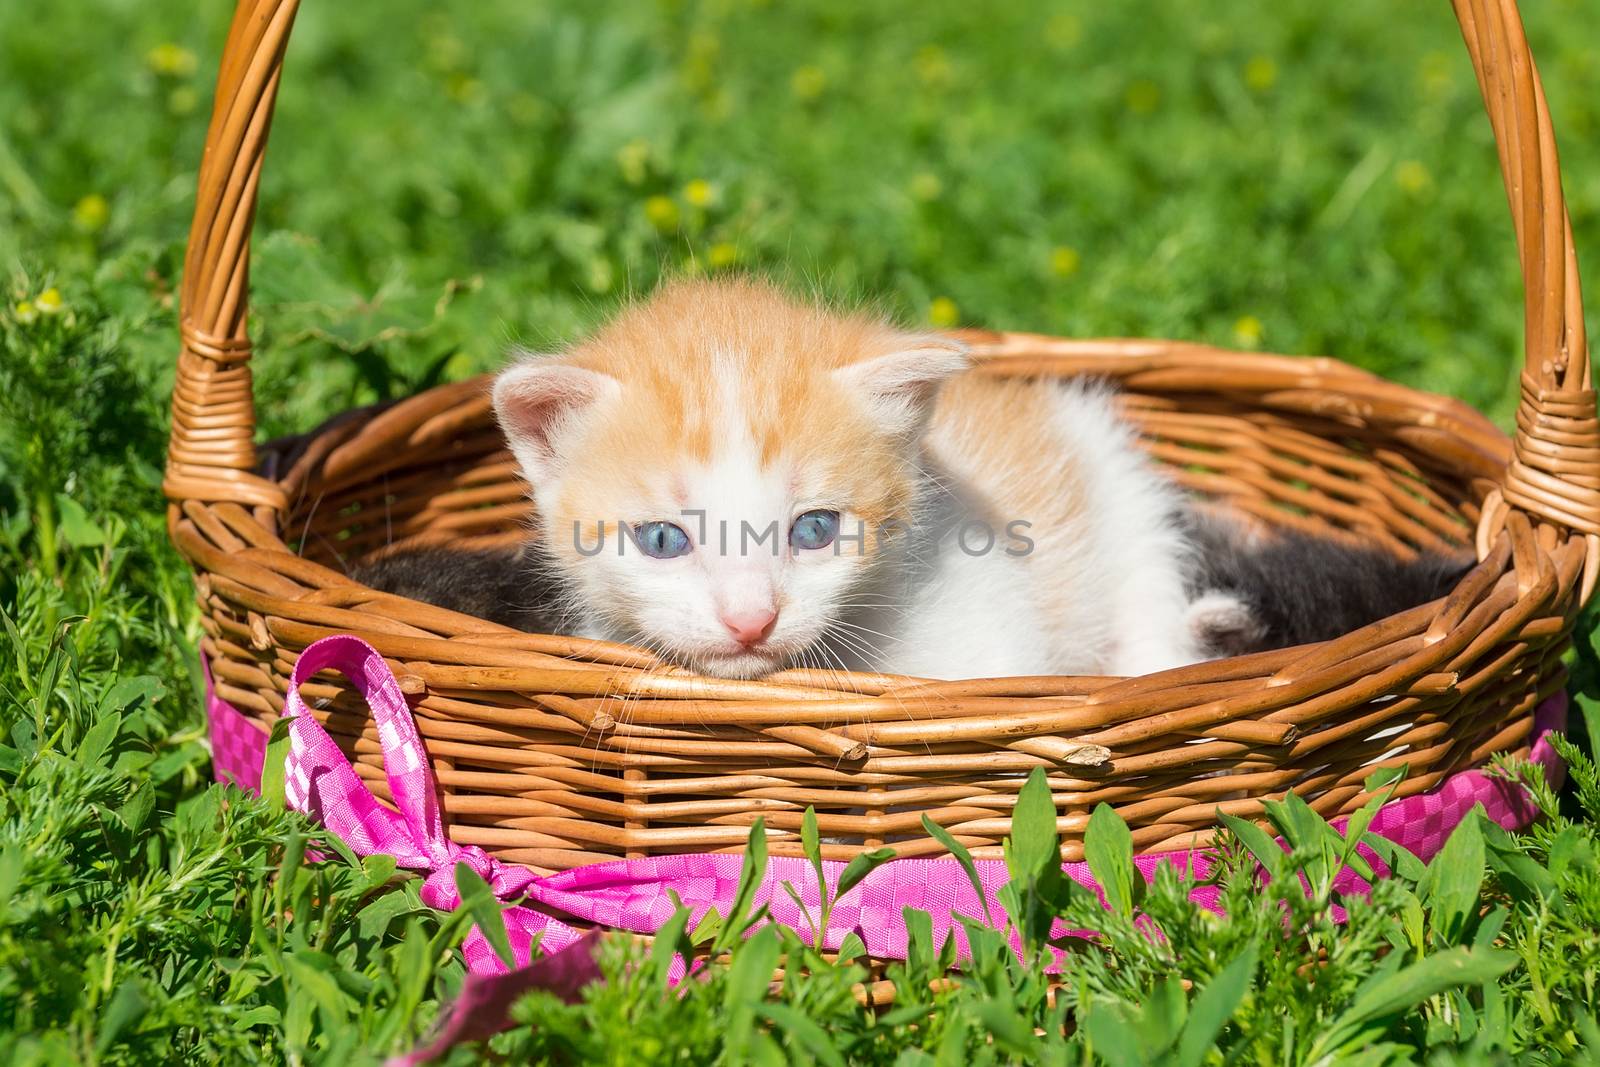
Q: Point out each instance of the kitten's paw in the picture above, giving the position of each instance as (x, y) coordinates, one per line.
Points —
(1224, 624)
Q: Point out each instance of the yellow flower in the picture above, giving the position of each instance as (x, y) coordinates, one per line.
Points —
(1437, 73)
(699, 192)
(91, 213)
(1064, 31)
(1247, 331)
(662, 213)
(463, 88)
(173, 60)
(26, 313)
(1413, 177)
(722, 254)
(1063, 261)
(926, 186)
(1261, 73)
(183, 100)
(633, 159)
(599, 275)
(933, 66)
(1143, 96)
(808, 82)
(943, 312)
(49, 302)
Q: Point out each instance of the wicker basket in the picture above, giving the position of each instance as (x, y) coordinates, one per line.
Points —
(554, 752)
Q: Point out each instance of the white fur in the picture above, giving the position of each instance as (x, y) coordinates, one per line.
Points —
(1103, 595)
(1134, 548)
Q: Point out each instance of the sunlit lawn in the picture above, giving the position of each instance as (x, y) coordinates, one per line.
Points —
(445, 179)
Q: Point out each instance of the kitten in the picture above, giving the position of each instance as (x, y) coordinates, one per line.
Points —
(742, 483)
(503, 585)
(1254, 591)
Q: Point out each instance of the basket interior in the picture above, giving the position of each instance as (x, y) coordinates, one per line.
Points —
(1332, 476)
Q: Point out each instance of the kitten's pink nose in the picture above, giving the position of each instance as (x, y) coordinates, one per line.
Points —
(750, 627)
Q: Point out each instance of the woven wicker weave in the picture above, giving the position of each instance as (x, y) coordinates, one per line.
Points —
(554, 751)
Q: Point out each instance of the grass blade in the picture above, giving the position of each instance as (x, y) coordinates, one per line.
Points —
(1108, 846)
(808, 1034)
(1257, 842)
(963, 857)
(1395, 994)
(1213, 1008)
(478, 900)
(1454, 879)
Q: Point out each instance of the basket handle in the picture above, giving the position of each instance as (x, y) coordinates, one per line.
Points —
(1555, 472)
(211, 456)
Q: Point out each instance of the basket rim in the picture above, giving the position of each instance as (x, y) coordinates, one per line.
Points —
(1136, 362)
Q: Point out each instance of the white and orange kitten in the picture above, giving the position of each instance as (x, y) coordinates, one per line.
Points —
(742, 482)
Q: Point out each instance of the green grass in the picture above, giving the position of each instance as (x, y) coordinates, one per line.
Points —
(445, 179)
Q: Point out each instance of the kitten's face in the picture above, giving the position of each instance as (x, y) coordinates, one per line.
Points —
(714, 469)
(727, 561)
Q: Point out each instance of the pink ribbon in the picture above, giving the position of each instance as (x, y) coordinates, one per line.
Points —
(320, 781)
(636, 895)
(632, 895)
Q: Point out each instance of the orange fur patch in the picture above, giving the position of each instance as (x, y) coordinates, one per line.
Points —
(697, 351)
(996, 435)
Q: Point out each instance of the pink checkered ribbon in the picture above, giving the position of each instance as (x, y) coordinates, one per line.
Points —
(624, 895)
(633, 895)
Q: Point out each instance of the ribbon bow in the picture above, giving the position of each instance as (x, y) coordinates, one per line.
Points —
(320, 781)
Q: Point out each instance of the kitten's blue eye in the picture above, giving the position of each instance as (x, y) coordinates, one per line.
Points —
(662, 540)
(814, 529)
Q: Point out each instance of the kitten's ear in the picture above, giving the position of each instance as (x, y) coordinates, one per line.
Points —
(899, 388)
(536, 399)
